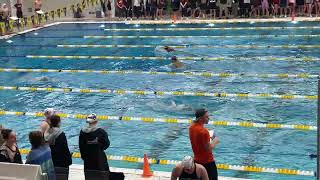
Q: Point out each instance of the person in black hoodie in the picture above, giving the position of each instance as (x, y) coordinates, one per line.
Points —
(92, 143)
(60, 152)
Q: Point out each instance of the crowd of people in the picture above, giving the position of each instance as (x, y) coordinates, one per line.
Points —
(180, 9)
(159, 9)
(50, 150)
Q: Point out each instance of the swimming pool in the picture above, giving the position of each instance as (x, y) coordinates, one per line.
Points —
(280, 148)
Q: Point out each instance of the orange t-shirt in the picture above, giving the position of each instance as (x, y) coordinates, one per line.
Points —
(199, 138)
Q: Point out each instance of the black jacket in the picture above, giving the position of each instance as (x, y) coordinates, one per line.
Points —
(92, 143)
(4, 157)
(60, 152)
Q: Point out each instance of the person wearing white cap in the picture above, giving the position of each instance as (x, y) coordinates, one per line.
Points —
(45, 124)
(93, 141)
(189, 170)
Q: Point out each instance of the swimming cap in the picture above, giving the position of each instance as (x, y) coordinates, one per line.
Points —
(187, 162)
(91, 118)
(49, 112)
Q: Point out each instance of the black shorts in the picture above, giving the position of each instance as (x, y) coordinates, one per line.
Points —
(299, 2)
(211, 170)
(212, 5)
(193, 5)
(203, 6)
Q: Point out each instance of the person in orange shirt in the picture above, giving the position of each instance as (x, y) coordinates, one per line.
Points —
(201, 145)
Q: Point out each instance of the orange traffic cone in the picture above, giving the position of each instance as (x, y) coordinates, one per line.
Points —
(174, 19)
(146, 167)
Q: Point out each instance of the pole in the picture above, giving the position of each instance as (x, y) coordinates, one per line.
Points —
(318, 132)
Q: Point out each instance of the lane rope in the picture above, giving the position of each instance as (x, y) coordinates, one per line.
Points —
(290, 36)
(246, 124)
(169, 37)
(210, 28)
(169, 58)
(134, 159)
(190, 28)
(187, 73)
(162, 93)
(286, 46)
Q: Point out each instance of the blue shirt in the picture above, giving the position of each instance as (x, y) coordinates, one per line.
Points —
(42, 156)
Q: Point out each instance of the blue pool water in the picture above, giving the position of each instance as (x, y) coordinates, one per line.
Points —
(277, 148)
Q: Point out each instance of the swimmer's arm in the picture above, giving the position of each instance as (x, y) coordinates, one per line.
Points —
(203, 173)
(44, 126)
(175, 173)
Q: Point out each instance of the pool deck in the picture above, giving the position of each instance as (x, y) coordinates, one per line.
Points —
(76, 173)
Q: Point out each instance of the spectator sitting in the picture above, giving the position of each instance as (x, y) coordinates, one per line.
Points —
(92, 143)
(9, 151)
(40, 154)
(188, 169)
(45, 124)
(57, 140)
(201, 145)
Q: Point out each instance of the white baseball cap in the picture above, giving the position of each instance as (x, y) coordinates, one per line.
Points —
(187, 162)
(48, 112)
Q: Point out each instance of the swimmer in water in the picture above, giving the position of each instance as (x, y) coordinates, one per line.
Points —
(176, 63)
(168, 49)
(44, 78)
(180, 107)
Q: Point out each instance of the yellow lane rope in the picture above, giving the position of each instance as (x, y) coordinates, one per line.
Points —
(226, 36)
(161, 93)
(285, 46)
(187, 73)
(246, 124)
(210, 28)
(133, 159)
(180, 58)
